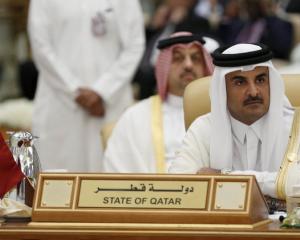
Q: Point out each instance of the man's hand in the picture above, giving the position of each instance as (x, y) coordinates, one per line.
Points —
(91, 102)
(209, 171)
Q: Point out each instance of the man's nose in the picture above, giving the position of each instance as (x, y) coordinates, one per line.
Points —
(188, 63)
(253, 89)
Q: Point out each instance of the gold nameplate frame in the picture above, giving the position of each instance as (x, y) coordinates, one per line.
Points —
(148, 198)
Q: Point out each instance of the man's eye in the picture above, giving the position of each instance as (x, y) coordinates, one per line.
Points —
(197, 58)
(239, 82)
(177, 58)
(260, 80)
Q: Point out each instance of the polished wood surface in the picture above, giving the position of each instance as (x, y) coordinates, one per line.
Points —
(76, 231)
(250, 210)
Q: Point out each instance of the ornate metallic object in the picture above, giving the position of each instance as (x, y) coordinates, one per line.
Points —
(25, 154)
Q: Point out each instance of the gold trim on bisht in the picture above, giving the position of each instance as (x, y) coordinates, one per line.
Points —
(157, 133)
(290, 156)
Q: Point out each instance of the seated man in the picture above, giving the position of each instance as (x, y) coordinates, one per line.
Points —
(146, 136)
(247, 131)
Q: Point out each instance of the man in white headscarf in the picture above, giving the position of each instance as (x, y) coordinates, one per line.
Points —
(145, 138)
(247, 131)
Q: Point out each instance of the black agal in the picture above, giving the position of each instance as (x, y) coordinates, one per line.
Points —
(167, 42)
(241, 59)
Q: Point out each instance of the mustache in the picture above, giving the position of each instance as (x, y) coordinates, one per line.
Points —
(256, 99)
(188, 72)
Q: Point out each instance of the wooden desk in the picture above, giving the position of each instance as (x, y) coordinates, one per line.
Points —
(76, 231)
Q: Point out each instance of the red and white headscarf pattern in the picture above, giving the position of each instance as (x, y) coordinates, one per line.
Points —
(164, 61)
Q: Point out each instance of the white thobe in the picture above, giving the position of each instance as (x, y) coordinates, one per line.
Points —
(95, 44)
(195, 151)
(131, 148)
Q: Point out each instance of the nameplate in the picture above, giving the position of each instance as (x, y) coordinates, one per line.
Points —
(147, 198)
(143, 194)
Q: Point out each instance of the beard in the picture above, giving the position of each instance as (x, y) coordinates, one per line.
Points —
(188, 76)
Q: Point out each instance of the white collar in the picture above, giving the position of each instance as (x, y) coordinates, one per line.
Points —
(174, 101)
(240, 129)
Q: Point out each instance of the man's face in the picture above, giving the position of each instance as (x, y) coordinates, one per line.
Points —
(186, 66)
(248, 94)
